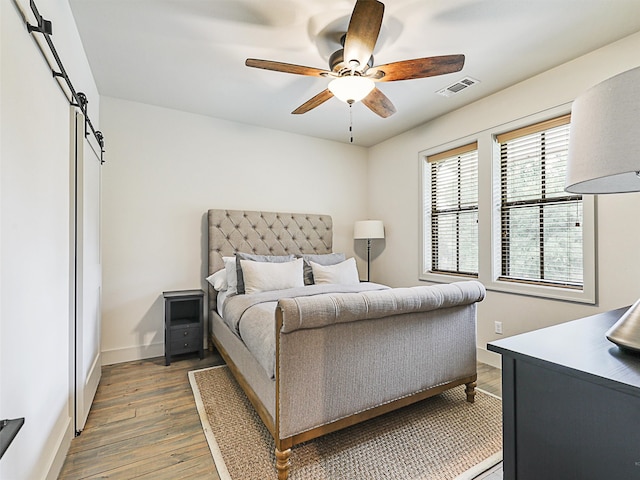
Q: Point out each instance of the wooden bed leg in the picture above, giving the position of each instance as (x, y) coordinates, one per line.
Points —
(470, 390)
(283, 464)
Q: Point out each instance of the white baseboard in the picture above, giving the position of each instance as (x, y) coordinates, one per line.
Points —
(130, 354)
(59, 448)
(490, 358)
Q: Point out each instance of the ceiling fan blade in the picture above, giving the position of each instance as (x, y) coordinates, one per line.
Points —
(378, 103)
(285, 67)
(362, 33)
(418, 68)
(319, 99)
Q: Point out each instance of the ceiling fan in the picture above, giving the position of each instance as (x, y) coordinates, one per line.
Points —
(352, 69)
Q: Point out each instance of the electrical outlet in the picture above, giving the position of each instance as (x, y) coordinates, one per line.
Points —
(498, 327)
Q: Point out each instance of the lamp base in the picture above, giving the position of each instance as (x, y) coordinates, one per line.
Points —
(626, 331)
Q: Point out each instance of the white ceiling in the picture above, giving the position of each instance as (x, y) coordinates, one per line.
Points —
(189, 54)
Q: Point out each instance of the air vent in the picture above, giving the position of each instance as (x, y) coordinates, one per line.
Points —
(458, 87)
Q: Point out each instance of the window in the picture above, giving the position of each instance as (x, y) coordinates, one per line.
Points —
(493, 207)
(451, 212)
(541, 235)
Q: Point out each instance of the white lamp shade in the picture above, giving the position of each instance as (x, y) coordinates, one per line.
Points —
(366, 229)
(604, 157)
(604, 142)
(351, 88)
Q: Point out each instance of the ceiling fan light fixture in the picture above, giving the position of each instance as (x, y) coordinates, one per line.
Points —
(351, 88)
(352, 66)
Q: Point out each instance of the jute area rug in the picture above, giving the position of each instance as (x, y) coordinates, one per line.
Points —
(443, 437)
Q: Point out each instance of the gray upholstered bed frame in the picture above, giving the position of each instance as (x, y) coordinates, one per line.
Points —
(424, 344)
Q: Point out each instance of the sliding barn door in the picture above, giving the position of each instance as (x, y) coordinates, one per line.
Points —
(87, 270)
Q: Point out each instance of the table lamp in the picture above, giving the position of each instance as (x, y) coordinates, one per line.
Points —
(368, 230)
(604, 157)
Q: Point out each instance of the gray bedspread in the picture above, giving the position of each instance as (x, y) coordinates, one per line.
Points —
(252, 317)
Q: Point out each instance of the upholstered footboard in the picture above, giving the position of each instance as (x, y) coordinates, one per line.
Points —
(345, 358)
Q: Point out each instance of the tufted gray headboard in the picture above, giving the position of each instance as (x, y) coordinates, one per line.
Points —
(265, 233)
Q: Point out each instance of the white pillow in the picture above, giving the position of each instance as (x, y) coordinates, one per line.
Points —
(232, 276)
(344, 272)
(265, 276)
(322, 259)
(219, 280)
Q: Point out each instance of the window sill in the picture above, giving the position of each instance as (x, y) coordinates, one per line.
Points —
(515, 288)
(543, 291)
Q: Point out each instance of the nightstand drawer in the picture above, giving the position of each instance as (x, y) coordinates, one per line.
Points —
(185, 331)
(184, 346)
(185, 339)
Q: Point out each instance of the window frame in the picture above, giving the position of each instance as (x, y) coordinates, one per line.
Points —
(541, 200)
(426, 240)
(458, 211)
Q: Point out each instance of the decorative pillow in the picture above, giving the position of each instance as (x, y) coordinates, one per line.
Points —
(232, 277)
(218, 280)
(265, 276)
(345, 272)
(257, 258)
(321, 259)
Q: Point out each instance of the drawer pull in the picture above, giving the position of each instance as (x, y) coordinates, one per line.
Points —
(186, 333)
(186, 344)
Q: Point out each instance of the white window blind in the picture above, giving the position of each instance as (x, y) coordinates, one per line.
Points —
(453, 211)
(541, 225)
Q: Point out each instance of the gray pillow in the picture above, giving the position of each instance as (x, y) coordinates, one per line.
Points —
(322, 259)
(257, 258)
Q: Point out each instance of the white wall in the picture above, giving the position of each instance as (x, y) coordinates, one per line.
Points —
(394, 196)
(35, 238)
(165, 169)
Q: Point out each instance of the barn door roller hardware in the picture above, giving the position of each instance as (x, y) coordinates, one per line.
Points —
(77, 99)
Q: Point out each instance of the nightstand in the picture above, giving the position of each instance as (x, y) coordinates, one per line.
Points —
(183, 323)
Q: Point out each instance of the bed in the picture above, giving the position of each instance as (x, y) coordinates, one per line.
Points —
(328, 355)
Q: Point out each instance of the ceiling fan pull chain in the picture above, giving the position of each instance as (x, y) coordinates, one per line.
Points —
(351, 121)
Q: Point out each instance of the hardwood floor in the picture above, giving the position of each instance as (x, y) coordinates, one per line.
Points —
(144, 424)
(490, 379)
